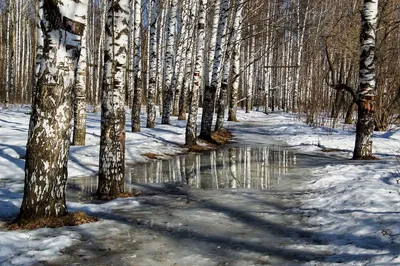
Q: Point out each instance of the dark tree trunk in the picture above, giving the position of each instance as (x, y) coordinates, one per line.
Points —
(208, 112)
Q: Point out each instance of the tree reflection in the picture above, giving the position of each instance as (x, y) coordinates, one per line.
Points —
(255, 167)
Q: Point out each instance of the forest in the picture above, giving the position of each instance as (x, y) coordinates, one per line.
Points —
(328, 63)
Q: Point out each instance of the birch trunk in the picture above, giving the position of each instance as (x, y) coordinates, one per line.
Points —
(222, 99)
(137, 96)
(367, 87)
(8, 57)
(250, 86)
(190, 54)
(169, 64)
(48, 142)
(235, 73)
(301, 28)
(79, 94)
(184, 42)
(112, 141)
(161, 56)
(210, 90)
(100, 54)
(191, 128)
(151, 95)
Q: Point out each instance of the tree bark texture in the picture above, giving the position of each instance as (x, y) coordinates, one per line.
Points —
(367, 77)
(49, 137)
(169, 66)
(137, 96)
(191, 128)
(211, 89)
(112, 141)
(79, 134)
(151, 94)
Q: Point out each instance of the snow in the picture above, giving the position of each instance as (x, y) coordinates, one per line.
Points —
(352, 208)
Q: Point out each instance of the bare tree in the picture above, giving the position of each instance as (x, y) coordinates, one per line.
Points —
(48, 141)
(367, 87)
(112, 140)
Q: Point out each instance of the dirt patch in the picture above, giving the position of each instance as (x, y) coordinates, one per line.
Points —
(71, 219)
(201, 148)
(221, 136)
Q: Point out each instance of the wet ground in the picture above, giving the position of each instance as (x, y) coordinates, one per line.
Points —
(235, 206)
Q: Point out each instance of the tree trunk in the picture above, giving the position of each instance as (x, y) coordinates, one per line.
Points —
(48, 142)
(169, 66)
(79, 134)
(112, 141)
(151, 95)
(367, 87)
(235, 74)
(211, 89)
(137, 96)
(191, 128)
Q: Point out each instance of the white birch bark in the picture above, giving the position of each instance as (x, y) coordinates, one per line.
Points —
(301, 28)
(367, 81)
(210, 91)
(235, 73)
(161, 55)
(250, 78)
(222, 99)
(100, 54)
(137, 97)
(151, 95)
(213, 42)
(48, 142)
(112, 141)
(183, 43)
(79, 133)
(190, 55)
(169, 63)
(191, 128)
(8, 57)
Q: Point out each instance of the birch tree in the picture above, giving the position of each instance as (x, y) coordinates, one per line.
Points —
(190, 54)
(112, 140)
(169, 64)
(79, 92)
(151, 94)
(48, 141)
(367, 81)
(191, 127)
(137, 97)
(210, 91)
(8, 56)
(235, 72)
(222, 99)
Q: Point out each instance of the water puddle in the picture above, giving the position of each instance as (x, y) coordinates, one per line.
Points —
(233, 206)
(235, 167)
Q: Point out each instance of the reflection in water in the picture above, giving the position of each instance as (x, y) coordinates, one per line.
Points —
(259, 168)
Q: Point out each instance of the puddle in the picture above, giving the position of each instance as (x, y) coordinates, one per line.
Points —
(235, 167)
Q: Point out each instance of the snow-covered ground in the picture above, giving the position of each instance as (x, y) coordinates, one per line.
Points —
(352, 208)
